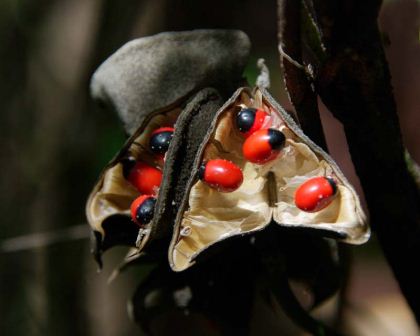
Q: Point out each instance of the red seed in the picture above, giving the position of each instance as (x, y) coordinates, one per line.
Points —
(142, 209)
(221, 175)
(162, 129)
(263, 145)
(249, 120)
(160, 139)
(315, 194)
(145, 178)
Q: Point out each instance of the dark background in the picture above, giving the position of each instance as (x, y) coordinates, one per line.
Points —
(54, 142)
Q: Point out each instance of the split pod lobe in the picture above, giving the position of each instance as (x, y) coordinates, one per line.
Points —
(272, 174)
(117, 192)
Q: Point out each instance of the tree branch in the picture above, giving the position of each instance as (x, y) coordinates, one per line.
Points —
(354, 83)
(298, 84)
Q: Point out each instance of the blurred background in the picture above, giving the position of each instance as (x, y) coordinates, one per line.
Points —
(54, 142)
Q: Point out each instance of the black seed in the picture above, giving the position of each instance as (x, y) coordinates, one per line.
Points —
(245, 119)
(128, 165)
(276, 138)
(201, 171)
(332, 184)
(145, 211)
(159, 142)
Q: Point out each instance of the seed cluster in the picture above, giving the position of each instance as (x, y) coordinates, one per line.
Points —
(263, 144)
(146, 178)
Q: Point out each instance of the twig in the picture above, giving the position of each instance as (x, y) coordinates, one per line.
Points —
(354, 84)
(292, 61)
(37, 240)
(274, 267)
(297, 77)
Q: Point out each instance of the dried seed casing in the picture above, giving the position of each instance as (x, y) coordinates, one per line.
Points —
(212, 216)
(134, 170)
(154, 72)
(108, 207)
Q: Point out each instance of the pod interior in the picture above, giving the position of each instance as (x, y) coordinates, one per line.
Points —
(267, 192)
(108, 207)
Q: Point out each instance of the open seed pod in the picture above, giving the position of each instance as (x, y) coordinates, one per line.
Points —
(108, 207)
(149, 82)
(268, 190)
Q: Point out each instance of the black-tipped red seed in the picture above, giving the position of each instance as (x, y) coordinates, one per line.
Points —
(160, 140)
(263, 145)
(315, 194)
(142, 209)
(222, 175)
(201, 170)
(249, 120)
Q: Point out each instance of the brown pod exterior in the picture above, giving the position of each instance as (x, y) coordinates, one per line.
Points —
(153, 72)
(190, 129)
(207, 218)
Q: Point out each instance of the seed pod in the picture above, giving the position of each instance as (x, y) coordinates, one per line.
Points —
(108, 207)
(267, 192)
(130, 82)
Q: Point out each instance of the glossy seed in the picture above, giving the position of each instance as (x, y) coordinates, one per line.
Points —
(145, 178)
(142, 209)
(221, 175)
(160, 139)
(315, 194)
(249, 120)
(263, 145)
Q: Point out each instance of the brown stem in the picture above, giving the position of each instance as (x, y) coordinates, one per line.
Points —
(299, 88)
(355, 85)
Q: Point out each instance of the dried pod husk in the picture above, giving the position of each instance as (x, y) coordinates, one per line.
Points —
(311, 261)
(154, 72)
(108, 207)
(220, 290)
(267, 193)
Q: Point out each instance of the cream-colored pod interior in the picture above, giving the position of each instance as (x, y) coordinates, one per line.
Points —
(267, 191)
(113, 194)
